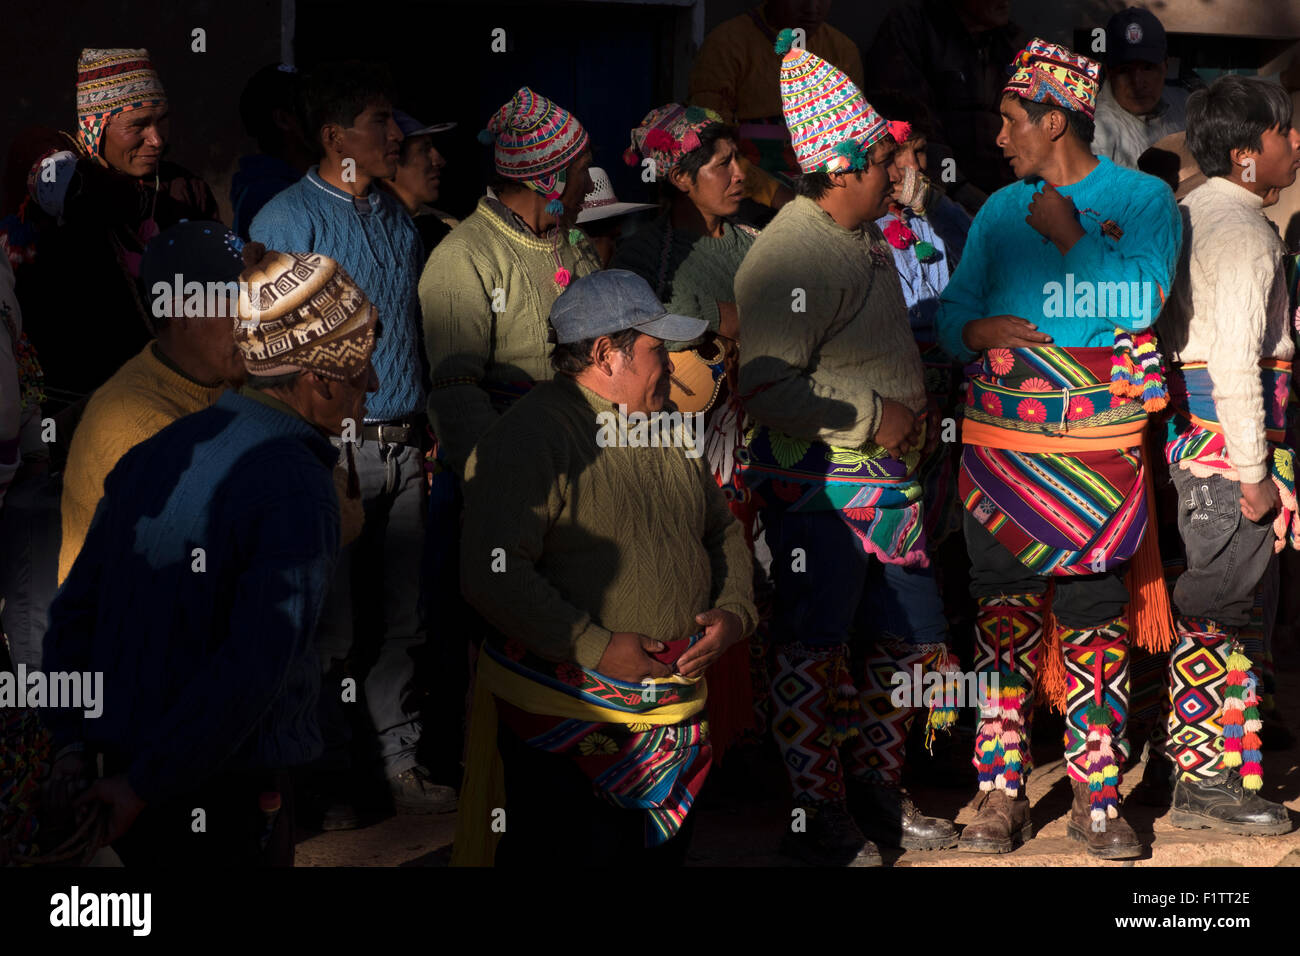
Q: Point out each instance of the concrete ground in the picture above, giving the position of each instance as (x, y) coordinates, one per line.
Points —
(735, 829)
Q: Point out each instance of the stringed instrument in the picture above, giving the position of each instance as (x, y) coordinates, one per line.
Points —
(699, 375)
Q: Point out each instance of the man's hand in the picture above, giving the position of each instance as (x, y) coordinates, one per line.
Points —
(721, 630)
(1052, 216)
(625, 658)
(899, 429)
(1260, 499)
(123, 804)
(1002, 332)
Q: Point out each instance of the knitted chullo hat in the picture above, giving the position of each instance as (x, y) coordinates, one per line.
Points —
(667, 134)
(1049, 73)
(831, 124)
(111, 82)
(301, 310)
(535, 140)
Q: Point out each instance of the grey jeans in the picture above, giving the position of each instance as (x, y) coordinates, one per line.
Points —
(1227, 555)
(372, 615)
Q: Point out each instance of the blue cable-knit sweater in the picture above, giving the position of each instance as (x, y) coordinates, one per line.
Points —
(381, 250)
(208, 659)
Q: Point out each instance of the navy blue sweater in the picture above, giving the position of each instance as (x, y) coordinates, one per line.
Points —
(208, 659)
(381, 250)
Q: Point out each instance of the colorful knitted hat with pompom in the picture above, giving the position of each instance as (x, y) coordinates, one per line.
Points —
(669, 133)
(831, 123)
(534, 141)
(1049, 73)
(111, 82)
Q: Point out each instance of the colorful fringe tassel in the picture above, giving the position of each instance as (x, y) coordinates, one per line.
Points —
(999, 740)
(1103, 769)
(1136, 370)
(1241, 723)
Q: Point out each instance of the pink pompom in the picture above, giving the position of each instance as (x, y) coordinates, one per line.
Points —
(691, 141)
(563, 277)
(898, 235)
(900, 131)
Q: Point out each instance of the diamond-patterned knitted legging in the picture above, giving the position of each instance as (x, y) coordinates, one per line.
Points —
(1008, 639)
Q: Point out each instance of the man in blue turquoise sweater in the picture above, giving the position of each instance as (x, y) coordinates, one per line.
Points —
(1062, 274)
(372, 618)
(199, 586)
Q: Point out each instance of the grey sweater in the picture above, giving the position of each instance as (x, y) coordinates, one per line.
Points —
(820, 374)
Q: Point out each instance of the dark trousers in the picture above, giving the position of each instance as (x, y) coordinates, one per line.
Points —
(1227, 555)
(555, 818)
(238, 833)
(1079, 601)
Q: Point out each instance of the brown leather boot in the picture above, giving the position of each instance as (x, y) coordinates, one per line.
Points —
(1001, 824)
(1116, 842)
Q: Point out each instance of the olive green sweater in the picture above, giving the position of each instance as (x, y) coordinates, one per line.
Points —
(565, 542)
(472, 347)
(820, 374)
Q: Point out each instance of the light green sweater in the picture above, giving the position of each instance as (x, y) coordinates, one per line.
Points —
(700, 273)
(472, 347)
(594, 540)
(820, 374)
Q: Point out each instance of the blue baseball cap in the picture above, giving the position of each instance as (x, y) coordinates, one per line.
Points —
(410, 126)
(603, 303)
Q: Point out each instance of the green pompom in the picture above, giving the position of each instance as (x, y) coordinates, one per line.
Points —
(784, 41)
(575, 236)
(924, 251)
(696, 114)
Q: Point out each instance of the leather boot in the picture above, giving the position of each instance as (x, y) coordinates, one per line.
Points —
(1222, 803)
(888, 815)
(830, 837)
(1116, 842)
(1001, 824)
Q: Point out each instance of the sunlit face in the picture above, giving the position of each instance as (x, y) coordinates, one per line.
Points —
(1278, 160)
(872, 192)
(641, 380)
(1137, 86)
(719, 185)
(1025, 144)
(908, 155)
(133, 141)
(373, 140)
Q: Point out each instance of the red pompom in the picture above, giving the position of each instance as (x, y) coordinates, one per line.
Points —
(898, 235)
(658, 139)
(630, 156)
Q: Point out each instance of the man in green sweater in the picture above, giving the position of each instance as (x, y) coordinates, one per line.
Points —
(831, 376)
(599, 546)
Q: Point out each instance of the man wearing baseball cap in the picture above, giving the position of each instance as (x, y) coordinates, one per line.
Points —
(418, 179)
(614, 576)
(1134, 107)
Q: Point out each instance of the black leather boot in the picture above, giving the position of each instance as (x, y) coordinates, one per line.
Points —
(888, 815)
(1222, 803)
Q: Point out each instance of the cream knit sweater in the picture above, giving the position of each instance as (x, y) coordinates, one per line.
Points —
(1230, 310)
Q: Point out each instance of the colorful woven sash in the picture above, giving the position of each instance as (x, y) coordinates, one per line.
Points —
(877, 495)
(644, 746)
(1194, 437)
(1052, 466)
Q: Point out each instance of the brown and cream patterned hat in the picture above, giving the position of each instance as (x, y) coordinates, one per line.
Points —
(303, 311)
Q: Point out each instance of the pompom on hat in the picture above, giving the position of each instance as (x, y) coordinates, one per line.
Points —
(1050, 73)
(534, 141)
(669, 133)
(111, 82)
(303, 311)
(832, 126)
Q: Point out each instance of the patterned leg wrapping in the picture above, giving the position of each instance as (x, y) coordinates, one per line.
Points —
(877, 753)
(1096, 712)
(1008, 638)
(1214, 714)
(814, 708)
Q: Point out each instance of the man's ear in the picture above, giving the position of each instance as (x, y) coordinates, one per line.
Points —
(322, 386)
(331, 138)
(601, 354)
(678, 177)
(1239, 157)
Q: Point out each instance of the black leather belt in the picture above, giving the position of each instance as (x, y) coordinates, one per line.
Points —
(393, 433)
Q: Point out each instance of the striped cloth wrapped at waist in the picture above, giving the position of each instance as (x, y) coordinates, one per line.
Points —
(1052, 464)
(1194, 437)
(878, 495)
(644, 746)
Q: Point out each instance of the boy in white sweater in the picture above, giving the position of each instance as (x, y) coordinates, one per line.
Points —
(1228, 334)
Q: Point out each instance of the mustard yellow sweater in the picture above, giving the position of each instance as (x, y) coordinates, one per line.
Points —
(142, 398)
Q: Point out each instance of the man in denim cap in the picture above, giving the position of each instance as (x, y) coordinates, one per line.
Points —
(603, 554)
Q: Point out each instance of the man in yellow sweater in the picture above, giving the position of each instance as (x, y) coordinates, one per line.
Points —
(183, 370)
